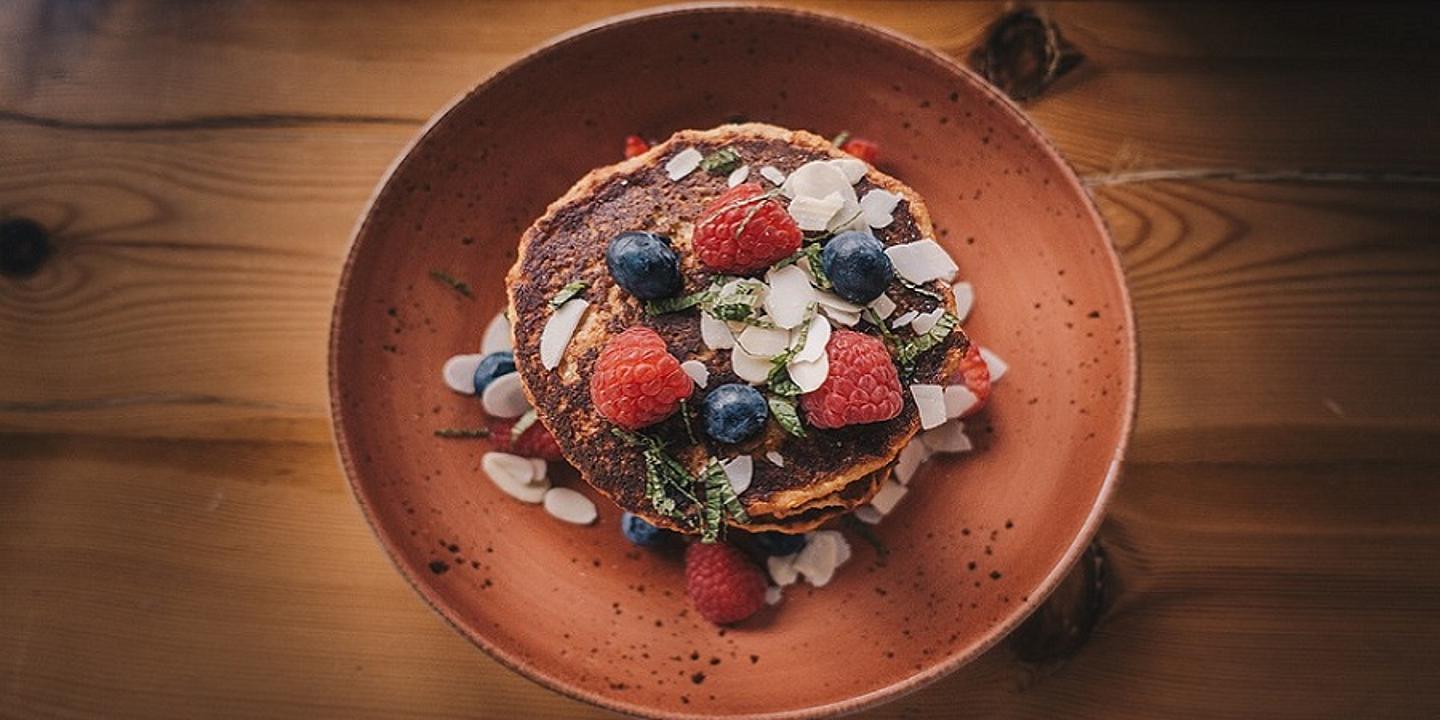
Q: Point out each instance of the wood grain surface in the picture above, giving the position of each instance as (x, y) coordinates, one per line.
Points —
(175, 536)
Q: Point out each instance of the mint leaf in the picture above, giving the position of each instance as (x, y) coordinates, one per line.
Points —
(907, 350)
(676, 304)
(721, 161)
(568, 292)
(786, 415)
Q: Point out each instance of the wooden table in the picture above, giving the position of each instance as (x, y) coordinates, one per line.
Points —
(175, 536)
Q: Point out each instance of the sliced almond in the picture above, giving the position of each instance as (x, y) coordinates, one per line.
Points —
(773, 174)
(809, 376)
(817, 179)
(959, 401)
(515, 476)
(869, 515)
(715, 333)
(814, 214)
(912, 456)
(697, 372)
(825, 551)
(542, 470)
(775, 458)
(890, 494)
(558, 331)
(964, 299)
(905, 319)
(505, 397)
(570, 506)
(854, 169)
(683, 163)
(737, 176)
(789, 297)
(782, 569)
(846, 319)
(925, 321)
(497, 335)
(816, 337)
(930, 399)
(948, 438)
(459, 373)
(831, 300)
(997, 366)
(740, 471)
(878, 207)
(751, 369)
(774, 594)
(922, 261)
(763, 342)
(883, 306)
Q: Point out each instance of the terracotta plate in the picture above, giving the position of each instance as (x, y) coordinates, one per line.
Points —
(976, 546)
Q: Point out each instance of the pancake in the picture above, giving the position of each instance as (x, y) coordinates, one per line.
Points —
(567, 244)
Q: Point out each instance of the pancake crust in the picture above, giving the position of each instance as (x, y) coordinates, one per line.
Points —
(568, 243)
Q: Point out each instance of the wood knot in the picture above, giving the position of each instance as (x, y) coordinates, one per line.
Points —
(1063, 623)
(1023, 53)
(24, 247)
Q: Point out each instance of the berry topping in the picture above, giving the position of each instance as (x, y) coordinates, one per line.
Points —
(861, 148)
(745, 231)
(644, 264)
(974, 374)
(491, 367)
(734, 413)
(857, 265)
(637, 382)
(635, 145)
(724, 586)
(778, 544)
(640, 532)
(862, 387)
(534, 442)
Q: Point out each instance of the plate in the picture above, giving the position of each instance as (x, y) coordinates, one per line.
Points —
(982, 538)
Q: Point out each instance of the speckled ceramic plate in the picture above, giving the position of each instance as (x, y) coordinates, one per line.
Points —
(981, 539)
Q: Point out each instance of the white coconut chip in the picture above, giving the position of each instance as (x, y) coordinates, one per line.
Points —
(775, 458)
(789, 297)
(925, 321)
(958, 401)
(683, 163)
(763, 342)
(497, 335)
(878, 207)
(964, 299)
(570, 506)
(853, 168)
(697, 372)
(890, 494)
(948, 438)
(816, 338)
(773, 595)
(459, 373)
(994, 363)
(737, 176)
(912, 456)
(905, 319)
(782, 569)
(868, 515)
(751, 369)
(809, 376)
(558, 331)
(715, 333)
(814, 214)
(922, 261)
(847, 319)
(740, 471)
(883, 306)
(515, 476)
(504, 397)
(817, 179)
(825, 551)
(773, 174)
(831, 300)
(930, 399)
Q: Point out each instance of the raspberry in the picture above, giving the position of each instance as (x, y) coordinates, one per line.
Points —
(863, 386)
(635, 145)
(739, 233)
(974, 374)
(863, 149)
(723, 585)
(637, 382)
(535, 441)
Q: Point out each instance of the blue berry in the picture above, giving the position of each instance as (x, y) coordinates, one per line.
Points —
(493, 366)
(779, 544)
(640, 532)
(734, 413)
(644, 264)
(857, 265)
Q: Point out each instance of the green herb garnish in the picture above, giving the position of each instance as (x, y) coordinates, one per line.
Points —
(721, 502)
(463, 432)
(721, 161)
(450, 280)
(663, 476)
(568, 292)
(907, 350)
(786, 415)
(523, 424)
(676, 304)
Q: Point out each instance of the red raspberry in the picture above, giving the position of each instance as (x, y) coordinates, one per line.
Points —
(863, 386)
(740, 234)
(722, 583)
(535, 441)
(861, 148)
(635, 145)
(974, 374)
(637, 382)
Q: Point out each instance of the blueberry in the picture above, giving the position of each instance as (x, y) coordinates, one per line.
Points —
(779, 544)
(640, 532)
(493, 366)
(734, 412)
(857, 265)
(644, 264)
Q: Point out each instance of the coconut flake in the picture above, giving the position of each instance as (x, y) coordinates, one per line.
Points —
(737, 176)
(994, 363)
(751, 369)
(542, 470)
(959, 401)
(515, 476)
(763, 342)
(773, 174)
(905, 319)
(925, 321)
(683, 163)
(570, 506)
(813, 214)
(697, 372)
(868, 515)
(854, 169)
(911, 457)
(847, 319)
(497, 335)
(889, 496)
(964, 299)
(775, 458)
(773, 595)
(782, 569)
(878, 207)
(816, 338)
(833, 301)
(922, 261)
(817, 179)
(715, 333)
(930, 399)
(558, 331)
(948, 438)
(825, 551)
(883, 306)
(504, 397)
(459, 373)
(789, 297)
(809, 376)
(739, 471)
